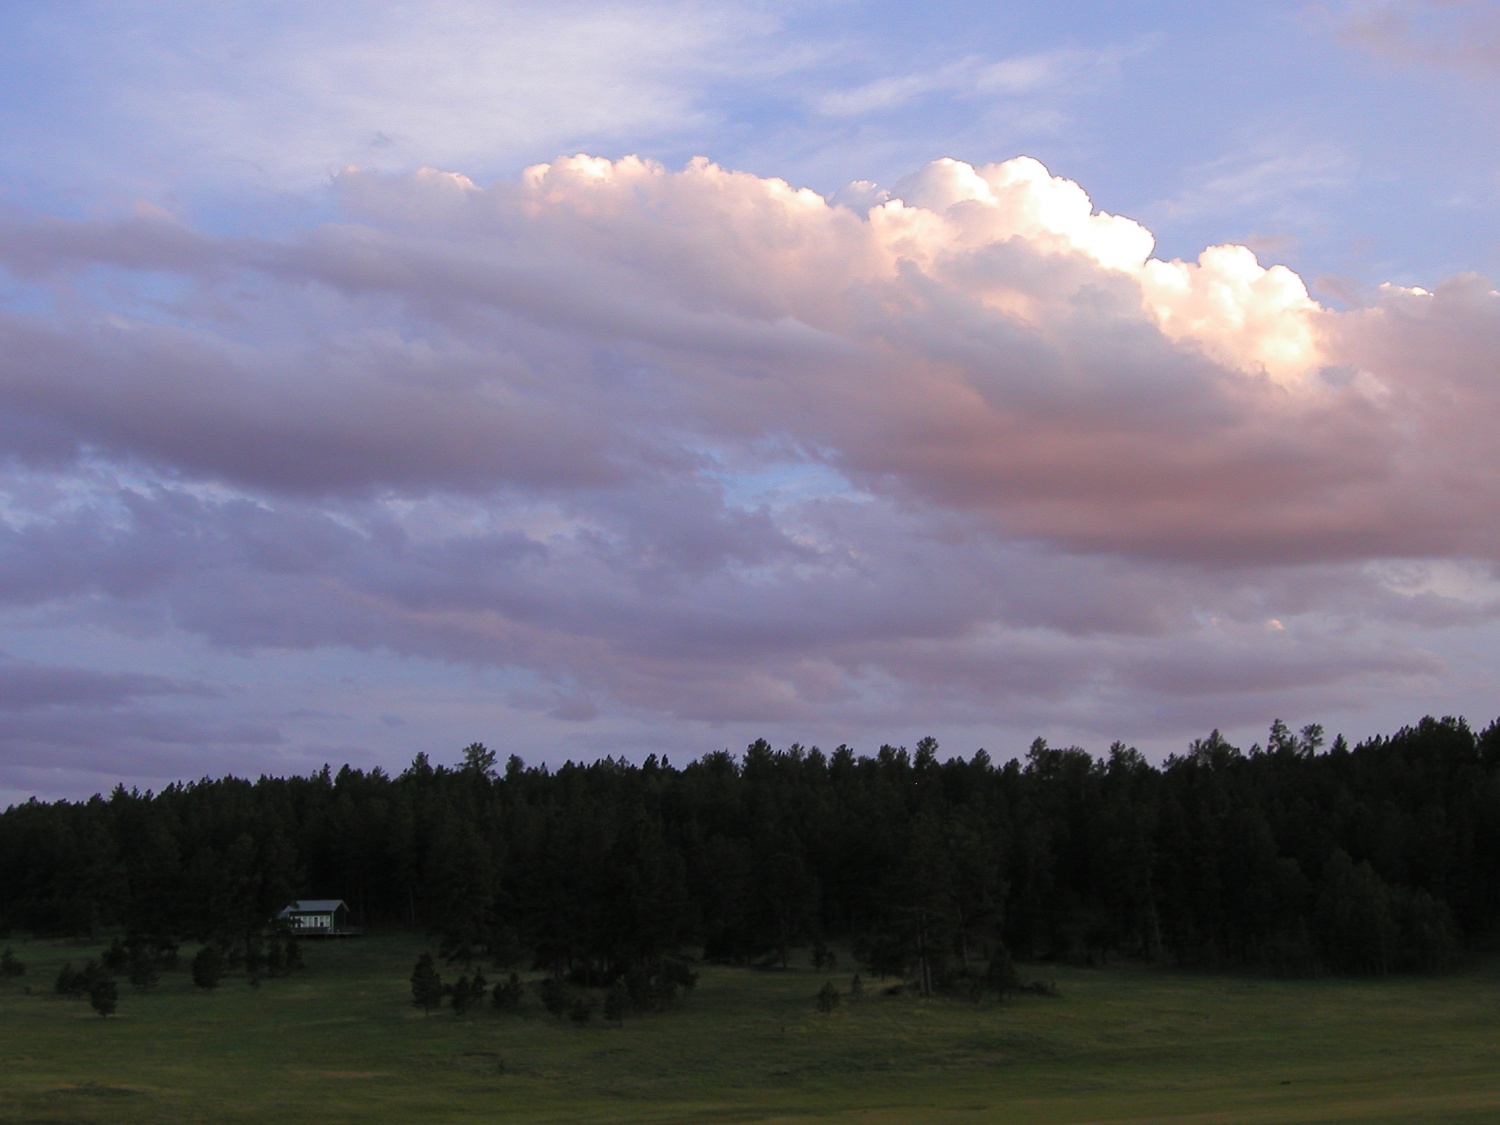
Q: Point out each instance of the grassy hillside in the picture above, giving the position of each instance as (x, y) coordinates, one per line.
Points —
(341, 1042)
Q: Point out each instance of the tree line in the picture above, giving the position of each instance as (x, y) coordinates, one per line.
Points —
(1288, 857)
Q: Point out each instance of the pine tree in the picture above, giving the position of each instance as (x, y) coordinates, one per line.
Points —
(104, 997)
(426, 985)
(507, 995)
(10, 966)
(142, 967)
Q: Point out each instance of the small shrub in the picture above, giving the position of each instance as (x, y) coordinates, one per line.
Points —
(555, 996)
(78, 983)
(208, 967)
(1001, 976)
(117, 957)
(460, 995)
(70, 982)
(142, 968)
(616, 1001)
(671, 975)
(255, 958)
(507, 995)
(104, 997)
(820, 954)
(505, 947)
(10, 965)
(639, 989)
(828, 998)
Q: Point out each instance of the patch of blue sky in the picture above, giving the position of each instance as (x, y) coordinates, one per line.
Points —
(129, 295)
(29, 498)
(444, 517)
(26, 298)
(781, 485)
(138, 297)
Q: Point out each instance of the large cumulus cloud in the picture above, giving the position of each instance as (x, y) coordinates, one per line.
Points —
(699, 444)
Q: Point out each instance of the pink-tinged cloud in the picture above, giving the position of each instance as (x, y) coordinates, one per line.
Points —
(1449, 33)
(982, 339)
(699, 444)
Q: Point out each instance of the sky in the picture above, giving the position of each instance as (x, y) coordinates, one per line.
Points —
(599, 379)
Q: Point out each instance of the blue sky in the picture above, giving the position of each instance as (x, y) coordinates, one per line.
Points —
(313, 455)
(1347, 139)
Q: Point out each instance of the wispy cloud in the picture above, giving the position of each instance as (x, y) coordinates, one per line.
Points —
(1269, 180)
(1462, 34)
(974, 77)
(279, 97)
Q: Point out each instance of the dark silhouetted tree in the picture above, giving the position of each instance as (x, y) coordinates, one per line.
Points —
(506, 996)
(104, 997)
(208, 967)
(70, 982)
(461, 995)
(426, 985)
(142, 970)
(828, 998)
(616, 1002)
(1001, 976)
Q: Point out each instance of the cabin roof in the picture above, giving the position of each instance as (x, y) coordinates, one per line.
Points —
(312, 906)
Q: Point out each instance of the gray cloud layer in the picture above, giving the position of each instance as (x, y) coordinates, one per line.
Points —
(695, 444)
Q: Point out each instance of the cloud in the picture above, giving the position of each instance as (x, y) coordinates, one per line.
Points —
(969, 77)
(702, 445)
(59, 721)
(1272, 181)
(25, 686)
(1461, 34)
(982, 339)
(209, 102)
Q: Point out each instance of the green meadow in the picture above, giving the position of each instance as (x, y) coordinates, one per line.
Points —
(340, 1041)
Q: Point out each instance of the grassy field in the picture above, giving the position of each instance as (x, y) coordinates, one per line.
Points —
(340, 1042)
